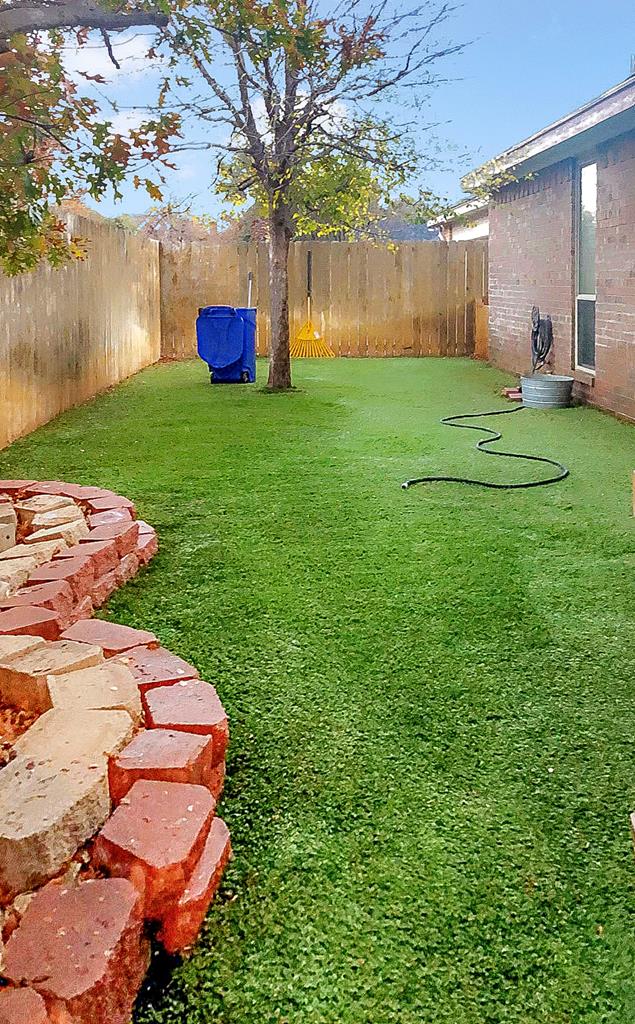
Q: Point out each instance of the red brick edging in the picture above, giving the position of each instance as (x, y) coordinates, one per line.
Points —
(126, 756)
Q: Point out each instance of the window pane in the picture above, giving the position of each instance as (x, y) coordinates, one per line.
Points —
(586, 332)
(586, 236)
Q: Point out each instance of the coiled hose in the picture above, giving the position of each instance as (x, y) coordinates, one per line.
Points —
(493, 435)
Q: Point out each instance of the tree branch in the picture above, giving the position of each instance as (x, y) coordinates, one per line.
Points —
(31, 16)
(109, 49)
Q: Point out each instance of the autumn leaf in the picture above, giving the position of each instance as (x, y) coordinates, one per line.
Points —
(153, 190)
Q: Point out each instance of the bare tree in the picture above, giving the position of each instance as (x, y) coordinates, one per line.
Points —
(299, 89)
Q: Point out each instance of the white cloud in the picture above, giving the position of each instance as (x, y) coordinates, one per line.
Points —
(125, 121)
(129, 49)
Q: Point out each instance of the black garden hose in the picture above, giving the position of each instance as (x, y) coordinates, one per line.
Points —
(494, 435)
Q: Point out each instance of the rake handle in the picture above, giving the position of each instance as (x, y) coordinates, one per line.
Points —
(309, 281)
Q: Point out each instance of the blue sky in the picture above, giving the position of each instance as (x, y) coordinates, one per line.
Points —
(528, 64)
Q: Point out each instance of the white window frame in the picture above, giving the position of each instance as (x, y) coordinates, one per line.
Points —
(581, 295)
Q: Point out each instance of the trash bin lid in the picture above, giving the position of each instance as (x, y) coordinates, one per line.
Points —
(220, 333)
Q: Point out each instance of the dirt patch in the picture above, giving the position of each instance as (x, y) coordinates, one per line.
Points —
(13, 723)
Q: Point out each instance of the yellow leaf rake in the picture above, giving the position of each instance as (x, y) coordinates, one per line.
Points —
(308, 342)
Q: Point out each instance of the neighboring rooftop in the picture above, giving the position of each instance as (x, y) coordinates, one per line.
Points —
(463, 211)
(603, 118)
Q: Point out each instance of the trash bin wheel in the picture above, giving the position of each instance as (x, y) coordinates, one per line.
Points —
(211, 376)
(244, 377)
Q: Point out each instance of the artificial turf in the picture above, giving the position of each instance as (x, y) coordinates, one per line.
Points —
(431, 692)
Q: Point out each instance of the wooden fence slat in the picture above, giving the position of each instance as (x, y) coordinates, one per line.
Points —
(461, 311)
(425, 271)
(263, 299)
(405, 255)
(347, 325)
(474, 293)
(376, 299)
(322, 300)
(458, 286)
(399, 338)
(361, 310)
(337, 335)
(297, 287)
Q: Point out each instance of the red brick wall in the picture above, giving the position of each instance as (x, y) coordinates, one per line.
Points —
(615, 310)
(531, 260)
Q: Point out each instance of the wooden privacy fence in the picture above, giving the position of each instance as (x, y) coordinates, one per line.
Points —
(67, 334)
(412, 299)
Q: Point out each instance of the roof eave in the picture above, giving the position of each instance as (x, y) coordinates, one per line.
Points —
(607, 116)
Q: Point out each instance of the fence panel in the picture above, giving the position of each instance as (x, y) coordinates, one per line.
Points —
(416, 298)
(67, 334)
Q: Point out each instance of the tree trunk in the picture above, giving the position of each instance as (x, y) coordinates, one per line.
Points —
(280, 360)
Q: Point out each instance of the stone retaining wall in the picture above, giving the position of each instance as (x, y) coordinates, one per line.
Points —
(111, 765)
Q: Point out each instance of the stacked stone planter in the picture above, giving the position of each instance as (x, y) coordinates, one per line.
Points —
(113, 759)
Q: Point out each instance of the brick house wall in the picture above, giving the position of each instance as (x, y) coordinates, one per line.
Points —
(532, 261)
(615, 308)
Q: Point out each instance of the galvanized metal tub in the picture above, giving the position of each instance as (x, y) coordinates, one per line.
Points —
(546, 391)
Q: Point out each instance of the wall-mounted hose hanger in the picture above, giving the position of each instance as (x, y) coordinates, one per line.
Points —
(544, 390)
(541, 338)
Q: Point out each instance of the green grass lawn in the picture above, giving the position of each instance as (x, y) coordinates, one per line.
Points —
(431, 692)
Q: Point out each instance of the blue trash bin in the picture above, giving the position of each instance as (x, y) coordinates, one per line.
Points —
(226, 341)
